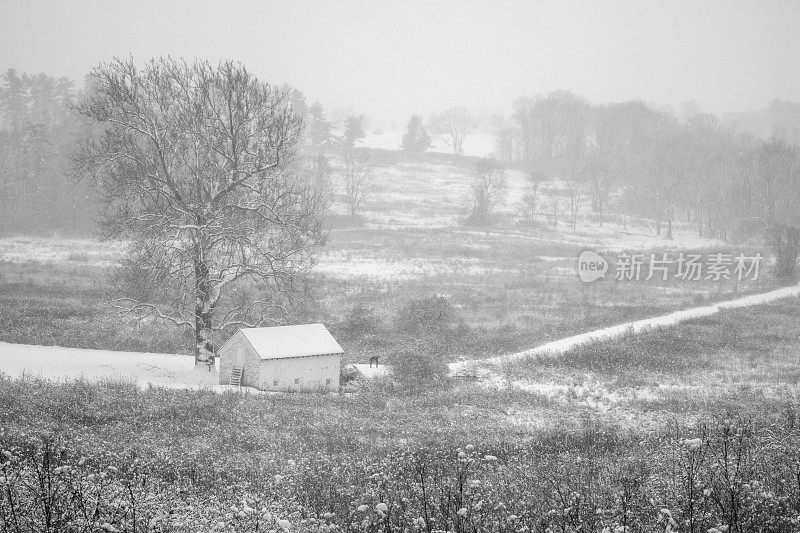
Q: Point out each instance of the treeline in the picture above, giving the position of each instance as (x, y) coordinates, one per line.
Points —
(38, 131)
(728, 185)
(626, 156)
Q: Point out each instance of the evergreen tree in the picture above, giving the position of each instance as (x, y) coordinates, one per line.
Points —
(354, 130)
(416, 139)
(319, 128)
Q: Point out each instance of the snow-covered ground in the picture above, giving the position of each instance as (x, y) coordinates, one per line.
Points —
(57, 363)
(475, 144)
(350, 264)
(46, 249)
(372, 371)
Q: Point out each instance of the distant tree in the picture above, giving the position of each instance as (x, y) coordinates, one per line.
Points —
(359, 322)
(416, 138)
(453, 125)
(354, 130)
(194, 165)
(776, 169)
(321, 171)
(14, 99)
(358, 179)
(530, 198)
(604, 160)
(299, 106)
(488, 187)
(666, 171)
(38, 132)
(551, 130)
(505, 138)
(319, 129)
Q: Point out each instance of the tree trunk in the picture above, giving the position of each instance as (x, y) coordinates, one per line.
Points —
(786, 244)
(700, 223)
(600, 211)
(203, 311)
(204, 348)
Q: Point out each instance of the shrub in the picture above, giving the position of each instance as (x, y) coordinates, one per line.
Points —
(360, 321)
(418, 368)
(347, 374)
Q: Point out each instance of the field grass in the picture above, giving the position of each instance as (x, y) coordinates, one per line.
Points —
(733, 361)
(66, 304)
(696, 449)
(513, 286)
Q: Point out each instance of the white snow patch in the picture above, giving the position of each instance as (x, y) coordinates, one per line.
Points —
(24, 249)
(347, 265)
(371, 372)
(58, 363)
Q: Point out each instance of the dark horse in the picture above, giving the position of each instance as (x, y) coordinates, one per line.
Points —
(373, 359)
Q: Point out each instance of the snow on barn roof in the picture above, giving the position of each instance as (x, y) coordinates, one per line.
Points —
(292, 341)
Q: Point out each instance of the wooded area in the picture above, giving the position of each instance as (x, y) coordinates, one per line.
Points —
(627, 157)
(37, 133)
(728, 185)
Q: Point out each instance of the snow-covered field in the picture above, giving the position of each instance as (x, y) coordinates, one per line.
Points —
(57, 363)
(55, 249)
(351, 264)
(475, 144)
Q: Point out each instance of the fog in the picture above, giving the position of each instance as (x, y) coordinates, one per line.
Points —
(391, 59)
(321, 267)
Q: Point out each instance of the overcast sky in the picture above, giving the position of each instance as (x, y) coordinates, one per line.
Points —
(389, 59)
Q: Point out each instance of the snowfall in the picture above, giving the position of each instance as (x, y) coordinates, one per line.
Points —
(178, 371)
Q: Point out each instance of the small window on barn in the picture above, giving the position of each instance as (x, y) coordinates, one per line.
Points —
(296, 381)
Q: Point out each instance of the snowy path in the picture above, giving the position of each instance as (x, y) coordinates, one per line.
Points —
(566, 344)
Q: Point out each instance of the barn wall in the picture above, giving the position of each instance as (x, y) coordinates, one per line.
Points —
(227, 356)
(311, 373)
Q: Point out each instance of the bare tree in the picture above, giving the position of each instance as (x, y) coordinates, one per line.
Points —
(319, 172)
(453, 125)
(505, 138)
(530, 199)
(358, 179)
(575, 194)
(487, 187)
(194, 165)
(777, 173)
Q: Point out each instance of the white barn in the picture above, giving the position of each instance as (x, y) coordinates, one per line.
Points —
(304, 357)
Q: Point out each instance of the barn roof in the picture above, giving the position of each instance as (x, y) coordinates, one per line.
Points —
(292, 341)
